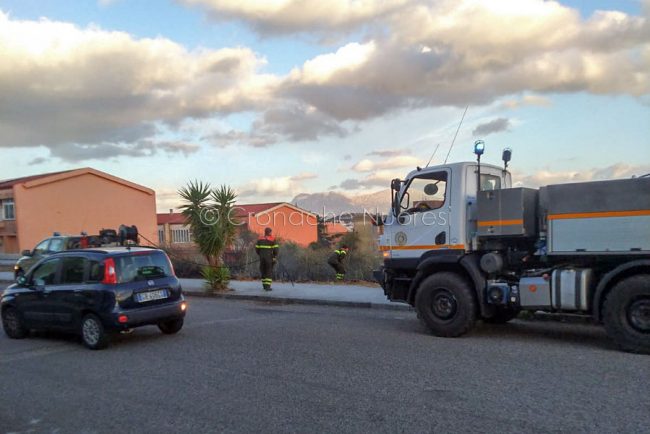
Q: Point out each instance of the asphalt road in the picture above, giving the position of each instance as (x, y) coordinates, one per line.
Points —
(247, 367)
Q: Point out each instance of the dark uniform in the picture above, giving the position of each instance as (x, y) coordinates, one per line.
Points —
(337, 261)
(267, 249)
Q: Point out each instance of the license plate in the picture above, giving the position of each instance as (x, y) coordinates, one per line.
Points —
(159, 294)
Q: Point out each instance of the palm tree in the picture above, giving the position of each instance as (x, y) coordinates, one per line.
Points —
(210, 215)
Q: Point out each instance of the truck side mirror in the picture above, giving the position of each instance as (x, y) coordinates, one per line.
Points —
(396, 184)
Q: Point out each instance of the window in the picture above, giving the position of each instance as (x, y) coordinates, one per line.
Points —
(161, 235)
(72, 270)
(95, 271)
(45, 274)
(133, 268)
(8, 209)
(490, 182)
(56, 245)
(181, 235)
(41, 248)
(425, 193)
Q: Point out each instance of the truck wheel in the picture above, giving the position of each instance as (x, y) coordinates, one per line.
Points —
(502, 316)
(627, 314)
(93, 334)
(12, 323)
(446, 304)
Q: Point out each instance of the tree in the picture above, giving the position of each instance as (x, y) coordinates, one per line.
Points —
(210, 214)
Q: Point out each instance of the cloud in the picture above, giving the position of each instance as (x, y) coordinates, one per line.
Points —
(493, 126)
(72, 89)
(143, 148)
(527, 100)
(290, 16)
(377, 179)
(440, 53)
(275, 188)
(396, 162)
(389, 152)
(548, 177)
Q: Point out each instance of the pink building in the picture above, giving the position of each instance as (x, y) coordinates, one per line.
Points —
(70, 202)
(289, 223)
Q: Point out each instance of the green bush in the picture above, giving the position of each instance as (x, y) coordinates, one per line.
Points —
(216, 278)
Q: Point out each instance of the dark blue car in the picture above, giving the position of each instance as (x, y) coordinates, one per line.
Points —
(95, 292)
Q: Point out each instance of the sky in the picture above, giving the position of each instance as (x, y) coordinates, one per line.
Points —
(281, 97)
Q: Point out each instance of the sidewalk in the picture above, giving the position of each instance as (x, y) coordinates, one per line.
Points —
(300, 293)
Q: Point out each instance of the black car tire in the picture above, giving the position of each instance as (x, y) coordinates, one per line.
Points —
(627, 314)
(502, 316)
(171, 327)
(13, 325)
(93, 334)
(446, 304)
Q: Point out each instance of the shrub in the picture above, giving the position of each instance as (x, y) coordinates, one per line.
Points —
(216, 278)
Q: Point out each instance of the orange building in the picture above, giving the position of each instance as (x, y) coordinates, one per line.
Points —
(70, 202)
(289, 223)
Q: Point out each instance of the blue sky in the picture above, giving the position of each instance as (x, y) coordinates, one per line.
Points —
(276, 100)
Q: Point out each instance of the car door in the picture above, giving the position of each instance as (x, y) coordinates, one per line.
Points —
(66, 297)
(36, 304)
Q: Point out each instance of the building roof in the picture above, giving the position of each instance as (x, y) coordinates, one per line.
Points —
(47, 178)
(8, 183)
(336, 228)
(173, 218)
(246, 210)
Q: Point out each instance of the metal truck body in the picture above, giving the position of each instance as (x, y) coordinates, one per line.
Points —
(461, 245)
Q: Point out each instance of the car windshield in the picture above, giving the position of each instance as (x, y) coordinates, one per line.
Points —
(142, 266)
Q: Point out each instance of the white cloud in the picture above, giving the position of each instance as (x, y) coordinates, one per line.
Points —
(549, 177)
(63, 85)
(395, 162)
(288, 16)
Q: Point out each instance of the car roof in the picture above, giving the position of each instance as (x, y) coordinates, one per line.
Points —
(111, 250)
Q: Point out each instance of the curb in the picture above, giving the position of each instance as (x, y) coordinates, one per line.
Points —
(306, 301)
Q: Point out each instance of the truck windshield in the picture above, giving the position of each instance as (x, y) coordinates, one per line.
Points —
(425, 192)
(142, 266)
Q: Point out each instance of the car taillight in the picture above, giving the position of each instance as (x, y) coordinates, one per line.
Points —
(110, 276)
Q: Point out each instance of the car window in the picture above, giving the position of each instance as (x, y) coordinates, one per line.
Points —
(95, 271)
(142, 266)
(56, 245)
(45, 273)
(72, 270)
(41, 248)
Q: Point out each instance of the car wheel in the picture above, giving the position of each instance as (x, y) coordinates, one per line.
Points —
(502, 316)
(446, 304)
(627, 314)
(12, 323)
(170, 327)
(93, 334)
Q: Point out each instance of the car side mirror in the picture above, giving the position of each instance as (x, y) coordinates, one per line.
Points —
(26, 253)
(21, 280)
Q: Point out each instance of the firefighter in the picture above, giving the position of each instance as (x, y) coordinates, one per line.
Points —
(267, 249)
(337, 261)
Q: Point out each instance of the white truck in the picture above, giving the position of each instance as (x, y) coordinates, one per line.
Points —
(461, 245)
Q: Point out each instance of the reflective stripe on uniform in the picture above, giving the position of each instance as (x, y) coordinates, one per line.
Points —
(267, 280)
(340, 252)
(275, 246)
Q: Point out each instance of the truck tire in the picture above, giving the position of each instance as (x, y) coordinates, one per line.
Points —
(445, 303)
(502, 316)
(627, 314)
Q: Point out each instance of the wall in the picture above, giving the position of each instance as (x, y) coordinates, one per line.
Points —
(287, 224)
(86, 202)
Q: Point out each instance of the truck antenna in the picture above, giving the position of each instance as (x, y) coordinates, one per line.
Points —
(432, 155)
(455, 135)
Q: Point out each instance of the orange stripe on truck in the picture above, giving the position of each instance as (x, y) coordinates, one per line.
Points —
(433, 247)
(501, 223)
(589, 215)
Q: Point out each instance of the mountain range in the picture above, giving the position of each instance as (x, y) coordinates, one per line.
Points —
(338, 203)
